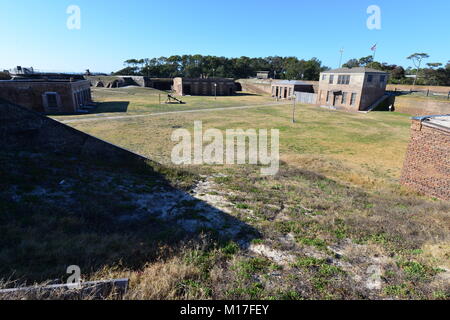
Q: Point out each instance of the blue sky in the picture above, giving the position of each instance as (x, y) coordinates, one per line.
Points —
(34, 32)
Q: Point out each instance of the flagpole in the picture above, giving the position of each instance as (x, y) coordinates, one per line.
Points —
(374, 48)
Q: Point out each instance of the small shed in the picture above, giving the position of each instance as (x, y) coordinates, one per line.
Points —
(262, 74)
(285, 89)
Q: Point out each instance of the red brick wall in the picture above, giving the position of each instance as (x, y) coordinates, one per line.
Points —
(427, 163)
(29, 94)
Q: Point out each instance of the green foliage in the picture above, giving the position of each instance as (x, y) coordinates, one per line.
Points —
(195, 66)
(415, 270)
(400, 290)
(435, 74)
(230, 248)
(249, 267)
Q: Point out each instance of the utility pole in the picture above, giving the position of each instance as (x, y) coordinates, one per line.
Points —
(215, 91)
(293, 109)
(340, 60)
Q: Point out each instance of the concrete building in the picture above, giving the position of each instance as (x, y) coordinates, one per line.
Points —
(427, 164)
(285, 89)
(352, 89)
(262, 74)
(204, 87)
(47, 96)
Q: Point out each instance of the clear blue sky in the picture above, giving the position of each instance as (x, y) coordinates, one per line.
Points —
(34, 32)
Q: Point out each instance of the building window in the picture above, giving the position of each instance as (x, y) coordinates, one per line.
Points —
(353, 99)
(382, 79)
(331, 79)
(344, 98)
(369, 78)
(344, 79)
(324, 77)
(52, 101)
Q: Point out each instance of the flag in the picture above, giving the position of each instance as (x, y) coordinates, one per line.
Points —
(374, 48)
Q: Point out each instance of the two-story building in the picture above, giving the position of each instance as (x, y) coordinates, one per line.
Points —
(352, 89)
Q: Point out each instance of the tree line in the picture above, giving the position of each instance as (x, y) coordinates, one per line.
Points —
(431, 73)
(198, 66)
(290, 68)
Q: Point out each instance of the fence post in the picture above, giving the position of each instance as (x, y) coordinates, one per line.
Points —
(428, 92)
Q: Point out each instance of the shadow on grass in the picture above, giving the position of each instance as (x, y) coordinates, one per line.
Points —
(100, 107)
(247, 94)
(62, 210)
(112, 106)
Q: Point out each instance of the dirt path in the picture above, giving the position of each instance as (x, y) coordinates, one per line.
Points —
(101, 117)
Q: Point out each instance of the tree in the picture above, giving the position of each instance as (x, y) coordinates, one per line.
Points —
(352, 63)
(398, 73)
(198, 66)
(363, 62)
(434, 76)
(376, 65)
(434, 65)
(417, 59)
(127, 71)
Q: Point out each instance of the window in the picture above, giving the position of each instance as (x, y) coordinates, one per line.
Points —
(353, 99)
(370, 78)
(382, 79)
(324, 77)
(52, 101)
(344, 98)
(344, 79)
(331, 79)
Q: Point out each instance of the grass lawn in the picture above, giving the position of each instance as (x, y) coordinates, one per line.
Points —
(365, 149)
(334, 223)
(137, 100)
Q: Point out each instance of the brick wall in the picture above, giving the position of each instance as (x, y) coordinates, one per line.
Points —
(421, 106)
(204, 87)
(21, 128)
(427, 164)
(29, 94)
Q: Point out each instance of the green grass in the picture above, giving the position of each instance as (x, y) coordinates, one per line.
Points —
(338, 181)
(137, 100)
